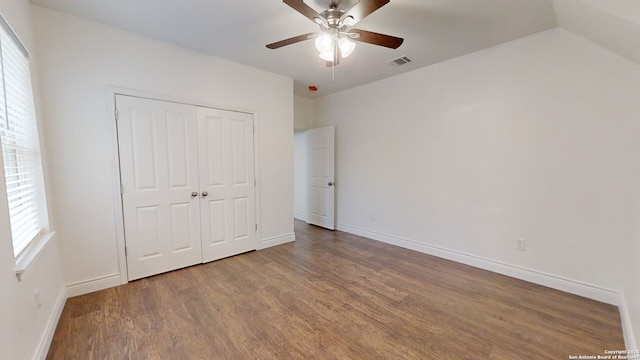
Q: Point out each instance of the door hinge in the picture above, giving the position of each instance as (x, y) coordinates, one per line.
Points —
(125, 251)
(255, 182)
(256, 227)
(116, 114)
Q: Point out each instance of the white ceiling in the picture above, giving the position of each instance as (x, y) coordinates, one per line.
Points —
(614, 25)
(238, 30)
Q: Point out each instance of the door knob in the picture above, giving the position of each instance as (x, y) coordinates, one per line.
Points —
(331, 183)
(204, 194)
(194, 194)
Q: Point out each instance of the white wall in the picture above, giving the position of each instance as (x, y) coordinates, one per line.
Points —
(534, 139)
(25, 329)
(300, 176)
(614, 25)
(632, 295)
(80, 60)
(303, 109)
(625, 9)
(303, 113)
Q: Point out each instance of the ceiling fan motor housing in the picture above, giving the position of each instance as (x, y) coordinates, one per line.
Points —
(333, 16)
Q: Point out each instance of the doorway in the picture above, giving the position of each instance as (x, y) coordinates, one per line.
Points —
(314, 176)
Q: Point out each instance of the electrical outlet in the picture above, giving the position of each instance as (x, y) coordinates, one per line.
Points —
(521, 244)
(36, 298)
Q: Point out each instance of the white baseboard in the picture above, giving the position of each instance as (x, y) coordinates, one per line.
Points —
(92, 285)
(47, 337)
(627, 327)
(276, 240)
(301, 217)
(537, 277)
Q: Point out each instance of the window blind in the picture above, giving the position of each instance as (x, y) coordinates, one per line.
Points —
(20, 145)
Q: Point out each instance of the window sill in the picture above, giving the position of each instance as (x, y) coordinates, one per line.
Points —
(24, 261)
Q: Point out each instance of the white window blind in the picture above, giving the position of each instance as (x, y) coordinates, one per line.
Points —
(20, 144)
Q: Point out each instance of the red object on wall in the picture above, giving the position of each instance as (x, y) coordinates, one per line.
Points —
(313, 88)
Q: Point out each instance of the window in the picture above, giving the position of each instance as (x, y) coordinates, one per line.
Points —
(20, 144)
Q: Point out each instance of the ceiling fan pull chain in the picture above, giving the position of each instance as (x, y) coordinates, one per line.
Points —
(333, 71)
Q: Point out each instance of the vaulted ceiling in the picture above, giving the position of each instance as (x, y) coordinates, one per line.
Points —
(434, 31)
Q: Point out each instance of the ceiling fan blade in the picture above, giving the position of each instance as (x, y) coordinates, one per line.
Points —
(362, 9)
(377, 39)
(306, 10)
(292, 40)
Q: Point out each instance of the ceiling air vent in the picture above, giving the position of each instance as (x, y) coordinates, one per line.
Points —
(400, 61)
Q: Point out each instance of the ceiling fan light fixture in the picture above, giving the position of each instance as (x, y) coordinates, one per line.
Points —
(327, 55)
(346, 47)
(325, 43)
(348, 20)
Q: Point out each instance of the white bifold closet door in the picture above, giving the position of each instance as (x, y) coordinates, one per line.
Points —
(225, 140)
(187, 182)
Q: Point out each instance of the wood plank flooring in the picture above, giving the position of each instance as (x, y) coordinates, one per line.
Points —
(332, 295)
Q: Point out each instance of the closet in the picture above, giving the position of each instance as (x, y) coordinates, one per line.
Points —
(187, 184)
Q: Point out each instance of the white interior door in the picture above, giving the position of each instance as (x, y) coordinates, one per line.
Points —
(226, 183)
(159, 172)
(321, 177)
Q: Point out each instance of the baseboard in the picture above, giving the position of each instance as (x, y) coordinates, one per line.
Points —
(627, 326)
(276, 240)
(92, 285)
(47, 337)
(301, 217)
(537, 277)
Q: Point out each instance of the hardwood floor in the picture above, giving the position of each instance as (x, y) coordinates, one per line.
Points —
(332, 295)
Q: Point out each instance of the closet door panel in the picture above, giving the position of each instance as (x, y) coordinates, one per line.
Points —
(227, 178)
(157, 143)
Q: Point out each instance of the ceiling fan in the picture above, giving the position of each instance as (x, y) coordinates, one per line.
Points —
(334, 39)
